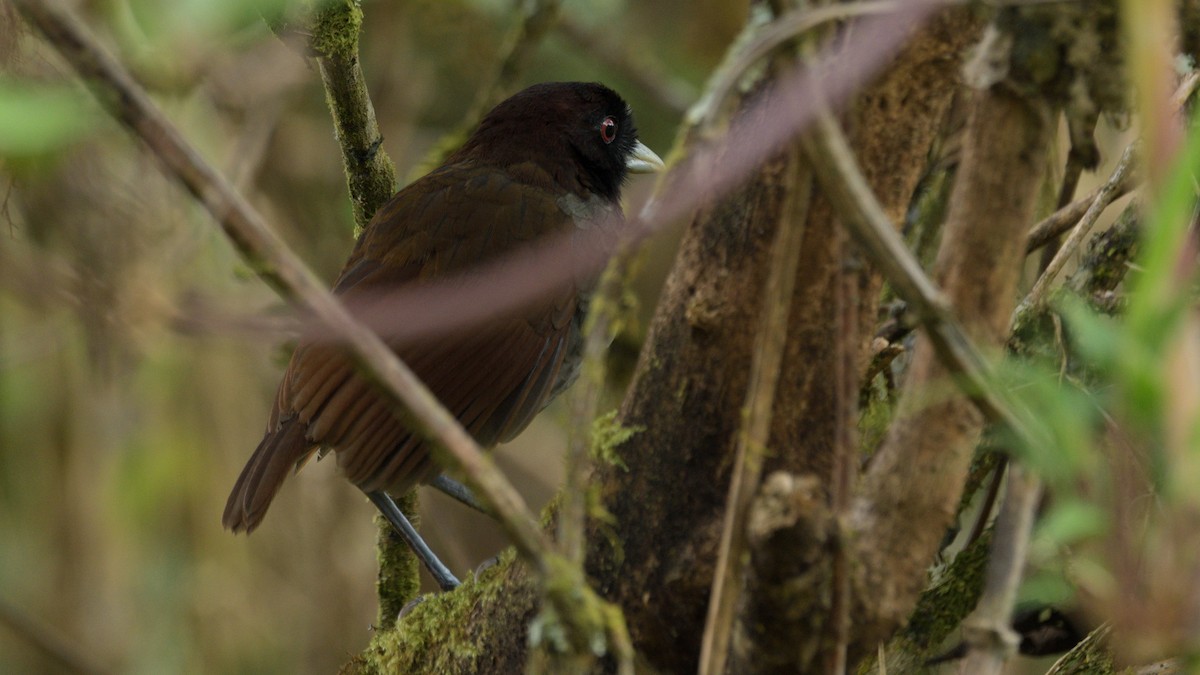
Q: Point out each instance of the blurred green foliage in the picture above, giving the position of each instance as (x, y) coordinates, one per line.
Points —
(1122, 405)
(133, 384)
(39, 119)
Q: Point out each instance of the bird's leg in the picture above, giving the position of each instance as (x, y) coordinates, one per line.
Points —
(441, 574)
(456, 490)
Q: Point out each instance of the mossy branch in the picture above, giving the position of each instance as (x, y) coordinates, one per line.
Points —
(370, 174)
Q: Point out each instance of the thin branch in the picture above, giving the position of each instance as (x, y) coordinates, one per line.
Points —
(279, 266)
(1065, 218)
(862, 214)
(598, 333)
(786, 28)
(1103, 198)
(989, 500)
(1090, 655)
(538, 17)
(989, 629)
(644, 72)
(1187, 87)
(602, 325)
(770, 338)
(1083, 154)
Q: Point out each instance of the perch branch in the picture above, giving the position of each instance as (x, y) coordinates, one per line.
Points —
(370, 174)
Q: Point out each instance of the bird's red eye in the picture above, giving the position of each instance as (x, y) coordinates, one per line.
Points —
(608, 130)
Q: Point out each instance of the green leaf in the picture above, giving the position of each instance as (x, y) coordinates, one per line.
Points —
(1070, 522)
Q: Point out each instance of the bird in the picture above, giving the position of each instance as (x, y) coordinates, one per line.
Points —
(549, 160)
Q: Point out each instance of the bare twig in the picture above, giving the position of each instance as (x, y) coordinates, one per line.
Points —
(786, 28)
(606, 315)
(1066, 217)
(538, 18)
(1083, 154)
(601, 325)
(279, 266)
(598, 332)
(585, 401)
(1104, 197)
(1079, 214)
(1187, 87)
(647, 74)
(988, 631)
(989, 500)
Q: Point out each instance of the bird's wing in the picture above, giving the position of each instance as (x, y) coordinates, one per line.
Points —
(493, 378)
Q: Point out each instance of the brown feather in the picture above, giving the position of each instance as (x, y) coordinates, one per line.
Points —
(534, 167)
(280, 451)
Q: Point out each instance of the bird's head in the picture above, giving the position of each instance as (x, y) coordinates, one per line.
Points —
(583, 134)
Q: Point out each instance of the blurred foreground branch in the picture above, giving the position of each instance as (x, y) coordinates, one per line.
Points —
(48, 641)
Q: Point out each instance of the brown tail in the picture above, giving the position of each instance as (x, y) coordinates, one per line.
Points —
(274, 458)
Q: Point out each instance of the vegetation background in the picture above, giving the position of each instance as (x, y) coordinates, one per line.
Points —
(135, 375)
(130, 397)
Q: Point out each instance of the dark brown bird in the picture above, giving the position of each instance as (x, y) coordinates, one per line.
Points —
(551, 159)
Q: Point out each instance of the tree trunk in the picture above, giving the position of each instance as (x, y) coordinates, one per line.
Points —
(655, 559)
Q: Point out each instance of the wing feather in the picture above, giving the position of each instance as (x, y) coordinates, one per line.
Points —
(494, 378)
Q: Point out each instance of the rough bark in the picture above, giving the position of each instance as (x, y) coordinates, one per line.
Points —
(918, 474)
(656, 556)
(668, 504)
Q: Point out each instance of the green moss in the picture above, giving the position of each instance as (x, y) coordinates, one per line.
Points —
(437, 636)
(575, 626)
(399, 575)
(1109, 255)
(608, 434)
(876, 416)
(335, 29)
(1089, 657)
(941, 608)
(1034, 336)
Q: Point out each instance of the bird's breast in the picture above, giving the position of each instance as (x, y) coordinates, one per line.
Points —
(591, 211)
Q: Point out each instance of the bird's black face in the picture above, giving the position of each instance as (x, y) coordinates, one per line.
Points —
(583, 133)
(603, 140)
